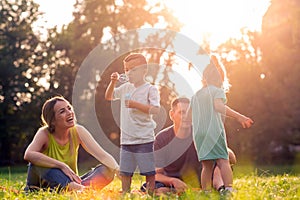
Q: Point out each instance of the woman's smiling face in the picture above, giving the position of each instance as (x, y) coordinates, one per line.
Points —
(64, 115)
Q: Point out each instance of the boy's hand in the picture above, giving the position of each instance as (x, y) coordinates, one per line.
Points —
(114, 76)
(129, 103)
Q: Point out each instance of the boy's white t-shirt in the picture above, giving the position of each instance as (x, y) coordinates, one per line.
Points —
(136, 126)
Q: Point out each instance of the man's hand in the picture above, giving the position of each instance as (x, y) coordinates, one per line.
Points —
(179, 185)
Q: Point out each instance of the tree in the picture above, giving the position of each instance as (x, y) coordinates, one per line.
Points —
(17, 44)
(264, 75)
(26, 65)
(280, 45)
(93, 22)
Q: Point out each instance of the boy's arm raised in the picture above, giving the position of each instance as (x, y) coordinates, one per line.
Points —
(110, 89)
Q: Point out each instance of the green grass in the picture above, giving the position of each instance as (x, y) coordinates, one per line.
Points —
(250, 183)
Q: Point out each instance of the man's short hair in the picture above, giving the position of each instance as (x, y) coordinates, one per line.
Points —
(179, 100)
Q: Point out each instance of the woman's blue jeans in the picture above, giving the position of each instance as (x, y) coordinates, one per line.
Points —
(55, 179)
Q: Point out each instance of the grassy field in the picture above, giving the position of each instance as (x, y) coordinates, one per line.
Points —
(249, 182)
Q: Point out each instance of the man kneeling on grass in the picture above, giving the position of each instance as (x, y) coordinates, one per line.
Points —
(177, 164)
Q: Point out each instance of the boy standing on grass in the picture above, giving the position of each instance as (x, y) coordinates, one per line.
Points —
(207, 110)
(139, 101)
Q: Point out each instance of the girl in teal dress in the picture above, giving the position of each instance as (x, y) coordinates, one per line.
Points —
(207, 111)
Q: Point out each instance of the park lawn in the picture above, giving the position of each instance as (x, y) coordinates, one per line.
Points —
(250, 183)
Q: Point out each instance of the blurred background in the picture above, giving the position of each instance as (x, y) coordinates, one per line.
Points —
(43, 44)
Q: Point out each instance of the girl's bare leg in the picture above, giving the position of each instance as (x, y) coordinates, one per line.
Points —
(226, 172)
(206, 174)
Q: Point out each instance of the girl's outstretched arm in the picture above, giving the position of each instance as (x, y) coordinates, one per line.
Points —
(227, 111)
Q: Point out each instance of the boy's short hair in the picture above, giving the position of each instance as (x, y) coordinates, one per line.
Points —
(138, 58)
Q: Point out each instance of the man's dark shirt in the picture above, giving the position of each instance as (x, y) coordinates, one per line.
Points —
(177, 157)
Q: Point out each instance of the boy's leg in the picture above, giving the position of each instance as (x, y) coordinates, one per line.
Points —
(206, 174)
(126, 183)
(98, 177)
(150, 183)
(127, 166)
(145, 162)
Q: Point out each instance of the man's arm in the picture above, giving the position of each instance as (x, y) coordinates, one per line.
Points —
(178, 184)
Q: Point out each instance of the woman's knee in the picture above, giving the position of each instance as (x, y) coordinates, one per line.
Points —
(99, 177)
(42, 177)
(56, 178)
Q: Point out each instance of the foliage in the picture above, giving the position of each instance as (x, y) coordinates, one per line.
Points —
(281, 92)
(33, 68)
(21, 72)
(95, 21)
(264, 72)
(264, 76)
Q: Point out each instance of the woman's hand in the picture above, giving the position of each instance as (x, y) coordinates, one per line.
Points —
(70, 173)
(117, 174)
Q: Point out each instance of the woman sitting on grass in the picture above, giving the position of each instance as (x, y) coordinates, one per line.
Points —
(53, 153)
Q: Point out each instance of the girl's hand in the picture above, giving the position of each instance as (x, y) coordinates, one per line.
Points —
(245, 121)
